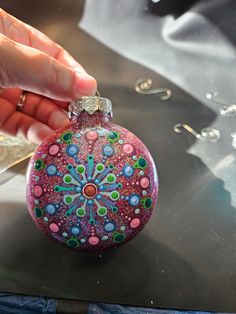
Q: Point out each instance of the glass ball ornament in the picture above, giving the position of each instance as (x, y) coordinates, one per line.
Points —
(92, 185)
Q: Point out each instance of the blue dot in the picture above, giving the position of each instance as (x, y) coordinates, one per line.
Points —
(90, 202)
(89, 178)
(99, 197)
(51, 209)
(108, 150)
(101, 187)
(110, 226)
(134, 199)
(75, 230)
(36, 202)
(96, 181)
(51, 170)
(72, 150)
(78, 189)
(83, 182)
(128, 171)
(81, 198)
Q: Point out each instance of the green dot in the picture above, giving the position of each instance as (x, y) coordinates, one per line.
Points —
(141, 163)
(119, 185)
(80, 212)
(39, 164)
(111, 178)
(67, 179)
(73, 242)
(100, 167)
(66, 137)
(80, 169)
(56, 188)
(118, 237)
(147, 202)
(68, 199)
(113, 137)
(38, 212)
(115, 195)
(102, 211)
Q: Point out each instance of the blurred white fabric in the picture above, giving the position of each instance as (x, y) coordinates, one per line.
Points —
(195, 51)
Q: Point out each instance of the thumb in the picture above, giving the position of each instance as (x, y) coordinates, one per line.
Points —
(32, 70)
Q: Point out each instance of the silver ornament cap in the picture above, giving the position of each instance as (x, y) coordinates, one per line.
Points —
(90, 104)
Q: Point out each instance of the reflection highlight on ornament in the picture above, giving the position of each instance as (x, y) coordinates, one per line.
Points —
(144, 86)
(234, 139)
(228, 110)
(210, 134)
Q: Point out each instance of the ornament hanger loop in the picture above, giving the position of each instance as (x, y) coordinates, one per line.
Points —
(97, 93)
(144, 86)
(210, 134)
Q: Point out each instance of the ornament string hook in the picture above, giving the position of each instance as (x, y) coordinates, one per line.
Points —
(228, 110)
(144, 86)
(210, 134)
(179, 127)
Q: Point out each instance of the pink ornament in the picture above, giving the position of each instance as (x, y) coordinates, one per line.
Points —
(86, 182)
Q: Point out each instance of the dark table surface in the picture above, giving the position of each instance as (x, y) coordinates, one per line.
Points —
(185, 257)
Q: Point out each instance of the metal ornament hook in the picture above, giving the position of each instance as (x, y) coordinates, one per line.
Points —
(228, 110)
(209, 134)
(144, 86)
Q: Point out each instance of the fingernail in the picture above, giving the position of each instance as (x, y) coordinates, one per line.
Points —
(85, 85)
(38, 132)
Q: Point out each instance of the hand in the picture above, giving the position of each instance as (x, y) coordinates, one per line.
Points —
(30, 61)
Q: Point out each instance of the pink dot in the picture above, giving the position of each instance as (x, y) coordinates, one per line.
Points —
(128, 149)
(92, 135)
(53, 149)
(90, 142)
(144, 183)
(137, 183)
(54, 227)
(135, 223)
(133, 183)
(38, 190)
(93, 240)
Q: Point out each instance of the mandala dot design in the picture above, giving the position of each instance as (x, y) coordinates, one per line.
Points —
(92, 188)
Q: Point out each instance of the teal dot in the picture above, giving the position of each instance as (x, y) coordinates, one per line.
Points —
(38, 212)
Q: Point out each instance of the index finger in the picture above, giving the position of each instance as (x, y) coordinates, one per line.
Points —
(29, 36)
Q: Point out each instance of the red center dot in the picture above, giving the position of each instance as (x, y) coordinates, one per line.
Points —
(90, 190)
